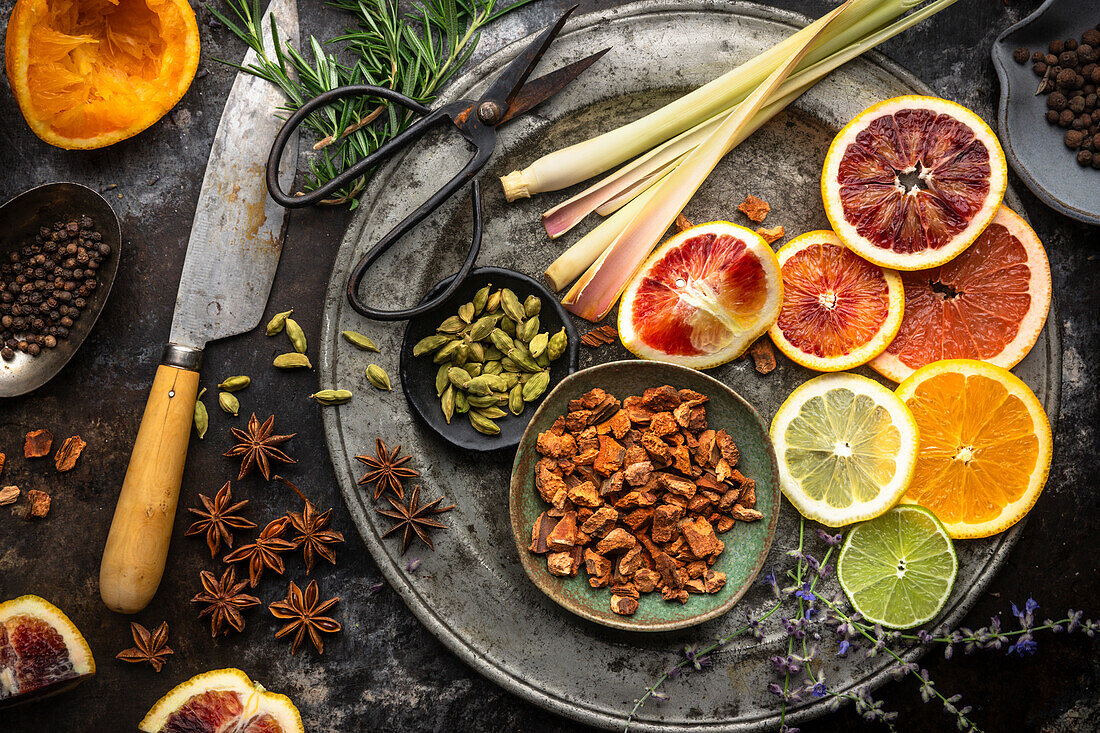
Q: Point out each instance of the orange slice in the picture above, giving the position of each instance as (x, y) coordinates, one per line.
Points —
(703, 297)
(989, 303)
(88, 73)
(41, 652)
(985, 445)
(839, 310)
(219, 701)
(911, 182)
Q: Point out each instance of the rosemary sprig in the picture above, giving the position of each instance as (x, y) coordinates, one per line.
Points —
(416, 53)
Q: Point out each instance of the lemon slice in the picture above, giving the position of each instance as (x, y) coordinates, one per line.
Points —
(846, 447)
(898, 569)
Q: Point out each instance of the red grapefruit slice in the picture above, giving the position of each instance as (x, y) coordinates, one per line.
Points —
(989, 303)
(839, 310)
(219, 701)
(41, 652)
(911, 182)
(703, 297)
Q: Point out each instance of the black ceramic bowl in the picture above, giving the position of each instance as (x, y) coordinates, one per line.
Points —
(418, 372)
(20, 219)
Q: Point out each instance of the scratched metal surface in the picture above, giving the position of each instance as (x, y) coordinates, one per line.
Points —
(387, 670)
(478, 600)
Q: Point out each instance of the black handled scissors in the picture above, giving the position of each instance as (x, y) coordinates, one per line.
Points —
(476, 119)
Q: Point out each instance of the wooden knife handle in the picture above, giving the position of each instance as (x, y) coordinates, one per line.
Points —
(137, 545)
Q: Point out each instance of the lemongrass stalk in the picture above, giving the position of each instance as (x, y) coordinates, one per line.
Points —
(574, 261)
(613, 191)
(579, 162)
(622, 259)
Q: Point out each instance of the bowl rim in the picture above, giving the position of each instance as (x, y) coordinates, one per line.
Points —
(520, 532)
(488, 444)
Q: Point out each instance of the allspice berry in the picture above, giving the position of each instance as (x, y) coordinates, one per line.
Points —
(1065, 118)
(1057, 101)
(1021, 55)
(1073, 139)
(1084, 157)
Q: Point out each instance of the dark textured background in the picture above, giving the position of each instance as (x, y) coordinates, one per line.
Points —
(385, 669)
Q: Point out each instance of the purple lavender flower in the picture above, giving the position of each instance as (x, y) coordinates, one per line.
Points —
(832, 540)
(697, 661)
(805, 593)
(843, 647)
(1025, 645)
(818, 690)
(413, 564)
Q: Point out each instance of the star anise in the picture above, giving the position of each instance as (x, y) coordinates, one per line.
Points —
(218, 519)
(258, 447)
(413, 519)
(263, 552)
(303, 612)
(386, 469)
(151, 647)
(225, 599)
(313, 537)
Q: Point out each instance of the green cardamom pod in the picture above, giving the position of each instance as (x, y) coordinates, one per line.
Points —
(532, 306)
(530, 329)
(377, 376)
(521, 347)
(478, 386)
(292, 360)
(535, 386)
(234, 384)
(458, 377)
(502, 398)
(473, 367)
(509, 366)
(332, 396)
(202, 418)
(462, 402)
(365, 343)
(466, 312)
(475, 352)
(501, 340)
(441, 380)
(493, 413)
(515, 399)
(526, 363)
(508, 326)
(428, 344)
(492, 367)
(276, 324)
(461, 354)
(538, 344)
(446, 352)
(481, 298)
(482, 328)
(229, 403)
(493, 304)
(511, 305)
(511, 379)
(485, 400)
(542, 360)
(454, 324)
(447, 402)
(297, 335)
(483, 424)
(556, 346)
(492, 353)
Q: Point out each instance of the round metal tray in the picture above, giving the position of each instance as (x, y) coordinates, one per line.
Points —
(471, 592)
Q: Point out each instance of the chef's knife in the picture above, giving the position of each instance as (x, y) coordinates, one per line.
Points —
(236, 240)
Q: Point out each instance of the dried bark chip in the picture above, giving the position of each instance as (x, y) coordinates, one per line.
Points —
(674, 594)
(700, 536)
(657, 448)
(666, 519)
(637, 474)
(585, 494)
(681, 459)
(543, 526)
(9, 495)
(744, 514)
(695, 585)
(714, 581)
(564, 535)
(631, 562)
(748, 494)
(645, 580)
(678, 486)
(662, 424)
(763, 355)
(638, 518)
(660, 399)
(601, 522)
(617, 540)
(587, 457)
(696, 568)
(728, 499)
(612, 484)
(549, 484)
(755, 208)
(69, 453)
(618, 425)
(37, 444)
(611, 456)
(773, 234)
(3, 460)
(727, 447)
(624, 605)
(588, 440)
(725, 524)
(624, 587)
(598, 568)
(38, 504)
(560, 563)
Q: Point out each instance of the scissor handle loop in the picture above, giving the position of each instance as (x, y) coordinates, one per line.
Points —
(405, 138)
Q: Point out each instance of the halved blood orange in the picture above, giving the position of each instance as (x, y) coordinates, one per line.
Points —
(41, 652)
(703, 297)
(839, 310)
(989, 303)
(219, 701)
(911, 182)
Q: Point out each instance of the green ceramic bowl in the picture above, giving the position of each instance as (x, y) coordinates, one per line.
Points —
(747, 544)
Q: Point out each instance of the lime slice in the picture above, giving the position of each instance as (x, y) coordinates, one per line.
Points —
(846, 447)
(897, 569)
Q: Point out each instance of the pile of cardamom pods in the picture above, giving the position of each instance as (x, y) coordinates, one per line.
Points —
(491, 355)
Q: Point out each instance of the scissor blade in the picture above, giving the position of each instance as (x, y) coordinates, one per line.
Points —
(539, 90)
(515, 74)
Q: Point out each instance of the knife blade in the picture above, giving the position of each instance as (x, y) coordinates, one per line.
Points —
(232, 254)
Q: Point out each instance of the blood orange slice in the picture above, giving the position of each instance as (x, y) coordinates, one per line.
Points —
(989, 303)
(911, 182)
(703, 297)
(41, 651)
(222, 700)
(839, 310)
